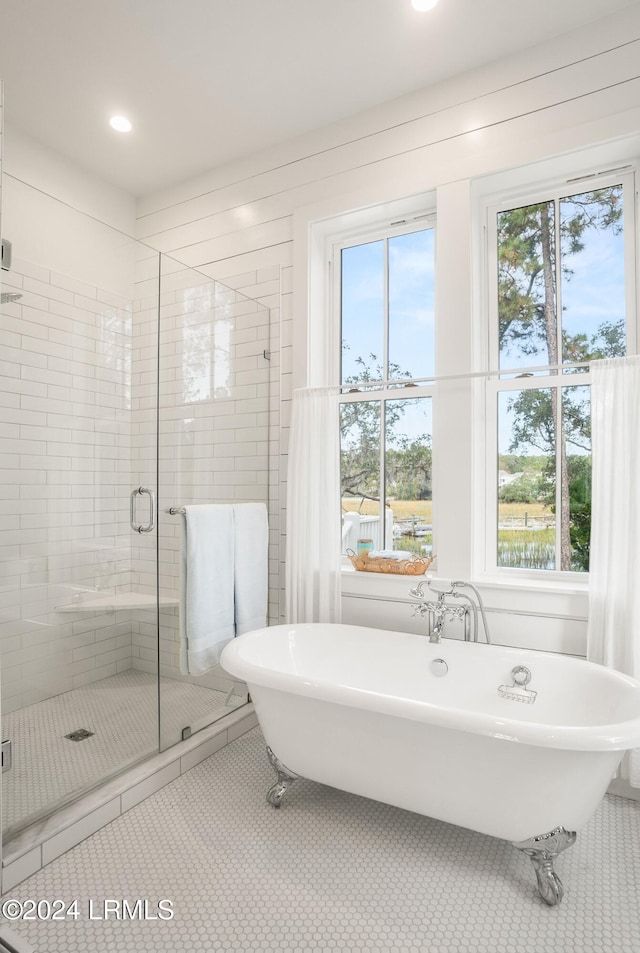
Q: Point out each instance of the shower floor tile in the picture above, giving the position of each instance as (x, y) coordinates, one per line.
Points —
(329, 871)
(121, 711)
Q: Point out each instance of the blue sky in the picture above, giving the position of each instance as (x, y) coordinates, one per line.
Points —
(594, 293)
(411, 312)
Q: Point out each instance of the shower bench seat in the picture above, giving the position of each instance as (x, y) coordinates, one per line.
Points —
(111, 602)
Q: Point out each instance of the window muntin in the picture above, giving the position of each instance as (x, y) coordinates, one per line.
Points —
(561, 297)
(387, 335)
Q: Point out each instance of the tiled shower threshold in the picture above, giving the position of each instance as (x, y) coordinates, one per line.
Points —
(43, 841)
(66, 746)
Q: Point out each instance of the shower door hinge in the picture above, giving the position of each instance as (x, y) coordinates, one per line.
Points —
(6, 755)
(5, 254)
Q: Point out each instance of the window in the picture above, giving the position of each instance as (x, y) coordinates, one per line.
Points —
(385, 292)
(560, 296)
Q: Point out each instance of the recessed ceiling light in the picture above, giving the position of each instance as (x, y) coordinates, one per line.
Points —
(423, 5)
(120, 124)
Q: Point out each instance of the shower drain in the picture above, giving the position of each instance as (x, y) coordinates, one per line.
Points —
(79, 734)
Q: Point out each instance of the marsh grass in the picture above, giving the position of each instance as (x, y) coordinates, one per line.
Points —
(402, 509)
(526, 549)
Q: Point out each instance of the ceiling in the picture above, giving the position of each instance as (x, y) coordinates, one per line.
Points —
(208, 81)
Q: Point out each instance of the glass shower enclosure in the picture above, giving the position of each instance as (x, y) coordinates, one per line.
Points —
(131, 385)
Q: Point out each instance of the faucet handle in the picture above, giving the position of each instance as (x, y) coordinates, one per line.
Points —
(417, 591)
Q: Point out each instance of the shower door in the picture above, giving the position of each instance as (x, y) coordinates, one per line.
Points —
(78, 406)
(213, 448)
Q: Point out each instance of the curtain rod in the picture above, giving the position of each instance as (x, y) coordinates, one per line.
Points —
(436, 378)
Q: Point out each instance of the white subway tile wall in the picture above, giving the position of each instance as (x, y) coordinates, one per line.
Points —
(79, 393)
(213, 428)
(66, 396)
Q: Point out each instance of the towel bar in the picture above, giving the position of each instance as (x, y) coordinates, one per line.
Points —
(180, 510)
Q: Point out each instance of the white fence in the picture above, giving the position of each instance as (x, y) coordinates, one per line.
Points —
(355, 527)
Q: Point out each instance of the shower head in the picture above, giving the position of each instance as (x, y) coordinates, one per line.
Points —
(7, 297)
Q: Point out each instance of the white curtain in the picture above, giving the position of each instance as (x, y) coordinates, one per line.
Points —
(614, 565)
(313, 508)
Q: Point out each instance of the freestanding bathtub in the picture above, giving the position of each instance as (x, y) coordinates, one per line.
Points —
(453, 730)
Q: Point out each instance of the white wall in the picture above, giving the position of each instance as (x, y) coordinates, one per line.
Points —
(559, 98)
(33, 163)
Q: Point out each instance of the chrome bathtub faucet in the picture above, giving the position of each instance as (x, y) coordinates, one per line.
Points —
(439, 610)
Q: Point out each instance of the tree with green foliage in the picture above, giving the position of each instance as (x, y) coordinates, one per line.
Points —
(528, 324)
(408, 468)
(407, 461)
(527, 488)
(580, 501)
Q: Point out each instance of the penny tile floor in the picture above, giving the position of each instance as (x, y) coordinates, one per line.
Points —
(329, 871)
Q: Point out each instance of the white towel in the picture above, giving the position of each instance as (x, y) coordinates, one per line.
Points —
(251, 566)
(206, 586)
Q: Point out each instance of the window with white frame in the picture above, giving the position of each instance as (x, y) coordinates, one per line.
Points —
(561, 294)
(384, 297)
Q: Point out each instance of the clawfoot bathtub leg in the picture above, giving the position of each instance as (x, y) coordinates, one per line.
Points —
(542, 851)
(284, 778)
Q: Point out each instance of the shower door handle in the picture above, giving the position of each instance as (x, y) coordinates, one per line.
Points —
(141, 527)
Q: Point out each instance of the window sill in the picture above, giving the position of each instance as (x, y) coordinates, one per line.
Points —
(555, 585)
(354, 581)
